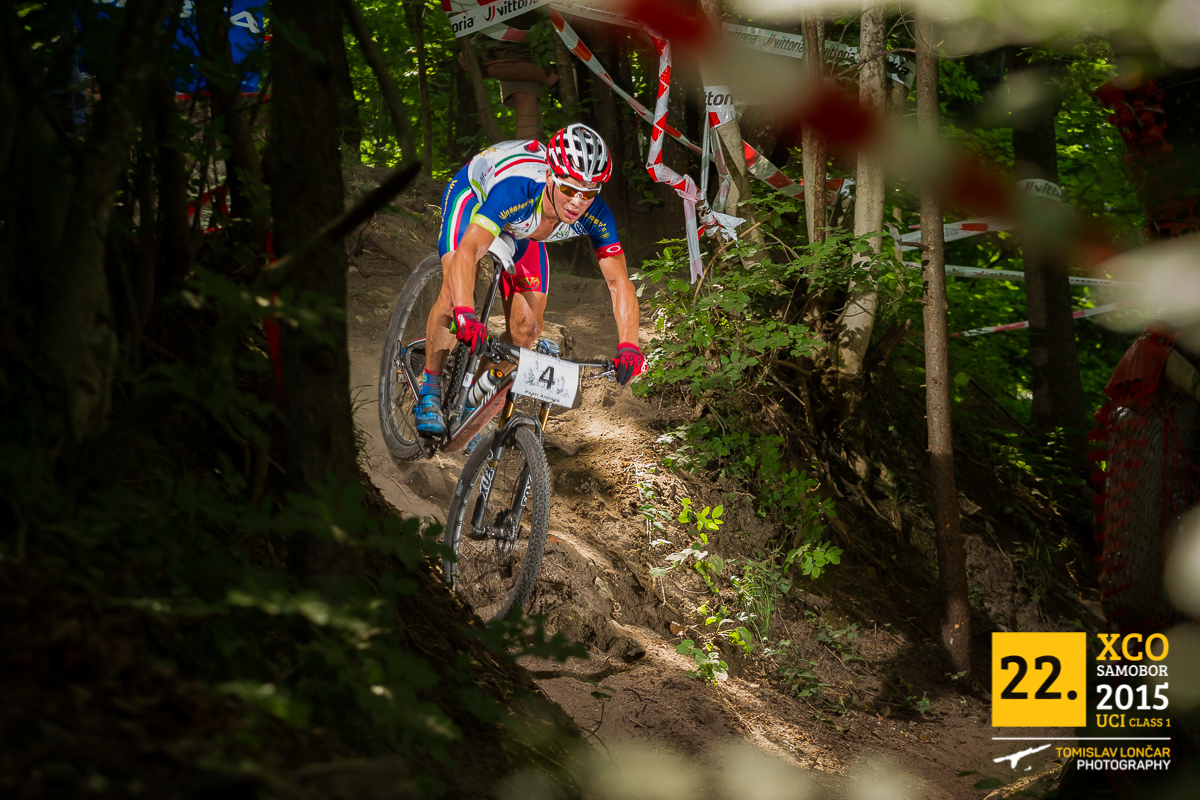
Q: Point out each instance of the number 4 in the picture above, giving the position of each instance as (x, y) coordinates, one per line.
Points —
(245, 20)
(547, 378)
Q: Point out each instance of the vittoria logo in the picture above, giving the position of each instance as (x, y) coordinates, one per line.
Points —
(504, 9)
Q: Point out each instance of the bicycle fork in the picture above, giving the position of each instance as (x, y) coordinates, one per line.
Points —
(508, 521)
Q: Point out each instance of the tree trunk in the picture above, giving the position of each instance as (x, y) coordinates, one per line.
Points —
(351, 116)
(76, 326)
(858, 319)
(1054, 365)
(416, 23)
(171, 166)
(952, 566)
(568, 92)
(487, 118)
(814, 149)
(609, 124)
(466, 124)
(318, 436)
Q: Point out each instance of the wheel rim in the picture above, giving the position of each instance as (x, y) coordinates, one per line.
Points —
(490, 559)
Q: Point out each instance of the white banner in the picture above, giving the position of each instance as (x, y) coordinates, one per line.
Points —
(477, 19)
(790, 44)
(1036, 187)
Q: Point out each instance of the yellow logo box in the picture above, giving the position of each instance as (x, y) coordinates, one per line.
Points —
(1039, 680)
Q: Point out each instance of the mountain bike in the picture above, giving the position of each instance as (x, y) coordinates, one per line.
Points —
(505, 483)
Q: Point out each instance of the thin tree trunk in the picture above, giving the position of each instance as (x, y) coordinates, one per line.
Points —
(952, 566)
(466, 124)
(318, 433)
(387, 86)
(350, 108)
(568, 92)
(171, 166)
(487, 117)
(1054, 365)
(814, 149)
(416, 22)
(858, 320)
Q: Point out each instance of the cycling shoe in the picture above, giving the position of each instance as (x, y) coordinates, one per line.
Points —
(428, 411)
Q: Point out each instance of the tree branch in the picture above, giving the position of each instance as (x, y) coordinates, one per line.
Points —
(391, 94)
(277, 271)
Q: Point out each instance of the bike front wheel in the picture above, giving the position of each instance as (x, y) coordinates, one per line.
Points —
(404, 359)
(497, 524)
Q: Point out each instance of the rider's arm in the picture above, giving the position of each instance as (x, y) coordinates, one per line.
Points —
(624, 296)
(460, 275)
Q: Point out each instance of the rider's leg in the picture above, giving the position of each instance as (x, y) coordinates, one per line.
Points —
(458, 201)
(525, 312)
(525, 307)
(438, 338)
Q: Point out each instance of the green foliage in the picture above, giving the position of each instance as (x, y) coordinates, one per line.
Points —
(731, 335)
(840, 640)
(813, 558)
(166, 527)
(709, 667)
(709, 566)
(801, 679)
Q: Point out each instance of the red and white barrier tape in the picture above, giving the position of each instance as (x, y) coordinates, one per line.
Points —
(493, 13)
(1014, 275)
(953, 231)
(683, 185)
(1013, 326)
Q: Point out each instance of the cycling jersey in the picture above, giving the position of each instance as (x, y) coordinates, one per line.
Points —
(508, 180)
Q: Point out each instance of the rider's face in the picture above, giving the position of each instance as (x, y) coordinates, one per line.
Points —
(571, 197)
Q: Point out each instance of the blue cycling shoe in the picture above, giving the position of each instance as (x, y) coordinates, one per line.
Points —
(428, 410)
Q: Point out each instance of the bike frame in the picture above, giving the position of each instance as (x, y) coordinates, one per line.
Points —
(509, 422)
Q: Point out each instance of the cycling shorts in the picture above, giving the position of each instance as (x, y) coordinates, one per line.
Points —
(531, 272)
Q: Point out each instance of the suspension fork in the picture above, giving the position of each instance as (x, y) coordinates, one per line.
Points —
(489, 469)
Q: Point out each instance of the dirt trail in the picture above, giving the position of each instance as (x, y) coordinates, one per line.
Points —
(596, 588)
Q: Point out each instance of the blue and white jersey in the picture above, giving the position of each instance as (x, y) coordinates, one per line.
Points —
(509, 179)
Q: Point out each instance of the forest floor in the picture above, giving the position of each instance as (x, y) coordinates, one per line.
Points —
(858, 695)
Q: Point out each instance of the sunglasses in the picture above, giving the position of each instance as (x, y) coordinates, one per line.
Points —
(570, 190)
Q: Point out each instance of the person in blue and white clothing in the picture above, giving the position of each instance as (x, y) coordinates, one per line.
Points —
(536, 193)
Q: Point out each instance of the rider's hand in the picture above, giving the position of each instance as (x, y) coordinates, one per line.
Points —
(469, 330)
(629, 362)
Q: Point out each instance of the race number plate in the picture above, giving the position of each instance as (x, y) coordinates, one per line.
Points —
(544, 377)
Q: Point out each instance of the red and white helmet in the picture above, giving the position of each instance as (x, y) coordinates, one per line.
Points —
(578, 152)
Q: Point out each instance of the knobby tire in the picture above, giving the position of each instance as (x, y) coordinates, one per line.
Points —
(495, 576)
(407, 323)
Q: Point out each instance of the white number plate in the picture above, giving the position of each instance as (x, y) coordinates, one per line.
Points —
(544, 377)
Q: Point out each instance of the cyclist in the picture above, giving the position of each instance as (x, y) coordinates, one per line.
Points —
(536, 193)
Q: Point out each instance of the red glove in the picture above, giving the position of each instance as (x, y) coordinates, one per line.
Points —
(629, 362)
(469, 330)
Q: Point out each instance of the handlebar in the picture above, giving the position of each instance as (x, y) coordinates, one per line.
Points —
(513, 352)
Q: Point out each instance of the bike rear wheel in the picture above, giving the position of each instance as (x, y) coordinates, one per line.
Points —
(497, 562)
(405, 344)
